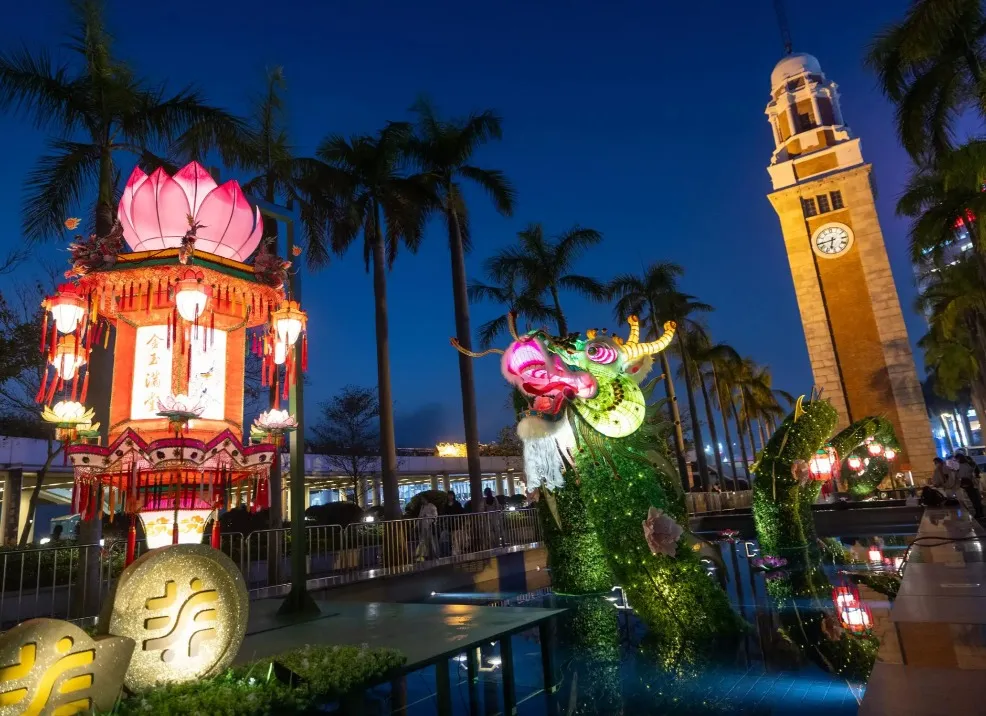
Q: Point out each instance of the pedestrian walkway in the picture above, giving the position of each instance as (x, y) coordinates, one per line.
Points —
(933, 660)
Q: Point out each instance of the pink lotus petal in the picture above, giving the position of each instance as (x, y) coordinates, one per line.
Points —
(159, 212)
(197, 183)
(226, 217)
(137, 178)
(251, 242)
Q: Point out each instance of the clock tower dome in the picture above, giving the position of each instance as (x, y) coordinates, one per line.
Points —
(823, 194)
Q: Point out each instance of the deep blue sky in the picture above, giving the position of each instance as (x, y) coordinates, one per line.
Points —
(643, 120)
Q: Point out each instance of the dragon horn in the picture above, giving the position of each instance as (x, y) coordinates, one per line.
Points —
(634, 329)
(471, 354)
(633, 351)
(512, 324)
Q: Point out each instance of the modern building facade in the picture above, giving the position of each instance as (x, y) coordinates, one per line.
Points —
(824, 198)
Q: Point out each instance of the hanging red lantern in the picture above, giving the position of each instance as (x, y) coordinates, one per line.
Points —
(890, 453)
(822, 464)
(855, 463)
(67, 307)
(874, 448)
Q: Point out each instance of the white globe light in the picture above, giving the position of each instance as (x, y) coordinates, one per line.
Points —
(190, 300)
(67, 316)
(280, 352)
(288, 330)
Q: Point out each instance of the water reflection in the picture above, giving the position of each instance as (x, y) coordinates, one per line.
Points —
(796, 657)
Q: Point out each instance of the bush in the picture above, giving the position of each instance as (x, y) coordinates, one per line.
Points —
(327, 673)
(335, 513)
(439, 498)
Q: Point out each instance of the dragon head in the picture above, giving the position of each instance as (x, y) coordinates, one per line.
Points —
(596, 374)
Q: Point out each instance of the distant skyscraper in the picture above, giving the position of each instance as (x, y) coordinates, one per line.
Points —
(823, 196)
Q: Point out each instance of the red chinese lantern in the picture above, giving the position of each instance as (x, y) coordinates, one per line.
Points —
(822, 464)
(874, 448)
(855, 463)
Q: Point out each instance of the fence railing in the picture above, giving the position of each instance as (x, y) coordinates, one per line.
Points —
(71, 581)
(701, 503)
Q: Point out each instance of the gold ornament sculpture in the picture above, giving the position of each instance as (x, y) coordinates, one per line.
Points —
(52, 667)
(186, 608)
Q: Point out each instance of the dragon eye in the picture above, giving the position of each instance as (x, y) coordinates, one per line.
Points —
(601, 353)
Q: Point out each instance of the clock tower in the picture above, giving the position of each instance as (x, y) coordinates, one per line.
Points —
(823, 194)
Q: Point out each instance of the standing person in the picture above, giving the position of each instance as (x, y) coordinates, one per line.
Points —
(427, 517)
(492, 505)
(451, 532)
(966, 475)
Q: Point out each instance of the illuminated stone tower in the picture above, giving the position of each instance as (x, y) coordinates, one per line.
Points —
(823, 196)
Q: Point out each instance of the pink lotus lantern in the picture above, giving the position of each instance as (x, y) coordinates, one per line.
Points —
(159, 212)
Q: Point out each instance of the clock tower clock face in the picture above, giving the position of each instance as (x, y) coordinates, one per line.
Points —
(832, 240)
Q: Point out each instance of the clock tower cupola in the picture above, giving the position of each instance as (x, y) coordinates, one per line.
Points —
(823, 194)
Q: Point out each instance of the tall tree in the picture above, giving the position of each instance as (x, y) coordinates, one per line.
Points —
(658, 292)
(524, 304)
(445, 150)
(717, 359)
(701, 352)
(641, 296)
(543, 267)
(348, 434)
(389, 207)
(930, 64)
(95, 108)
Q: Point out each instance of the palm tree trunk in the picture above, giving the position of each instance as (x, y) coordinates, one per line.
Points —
(679, 439)
(725, 424)
(703, 467)
(460, 298)
(763, 438)
(749, 430)
(559, 316)
(742, 444)
(32, 503)
(388, 445)
(275, 518)
(712, 429)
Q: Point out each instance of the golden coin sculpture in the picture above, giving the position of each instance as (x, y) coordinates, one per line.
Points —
(50, 667)
(186, 608)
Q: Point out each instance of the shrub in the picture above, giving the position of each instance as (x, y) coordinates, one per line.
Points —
(327, 673)
(335, 513)
(439, 498)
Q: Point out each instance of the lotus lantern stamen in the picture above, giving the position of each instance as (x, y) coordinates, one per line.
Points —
(158, 211)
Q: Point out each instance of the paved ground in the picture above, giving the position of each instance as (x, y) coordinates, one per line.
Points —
(932, 660)
(423, 632)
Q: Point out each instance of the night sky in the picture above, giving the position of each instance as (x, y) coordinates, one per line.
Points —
(643, 120)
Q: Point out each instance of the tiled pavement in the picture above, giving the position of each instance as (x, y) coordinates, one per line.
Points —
(932, 658)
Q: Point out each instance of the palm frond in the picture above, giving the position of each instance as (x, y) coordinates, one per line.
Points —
(56, 186)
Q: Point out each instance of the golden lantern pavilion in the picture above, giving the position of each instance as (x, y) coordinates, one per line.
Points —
(184, 301)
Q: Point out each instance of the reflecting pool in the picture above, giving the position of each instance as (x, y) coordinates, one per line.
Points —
(814, 628)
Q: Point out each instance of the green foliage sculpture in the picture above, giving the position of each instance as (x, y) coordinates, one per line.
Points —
(611, 500)
(784, 491)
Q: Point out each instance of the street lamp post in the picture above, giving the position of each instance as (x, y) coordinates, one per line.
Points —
(298, 600)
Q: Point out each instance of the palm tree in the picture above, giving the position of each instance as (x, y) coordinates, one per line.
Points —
(543, 266)
(759, 399)
(522, 304)
(930, 64)
(389, 208)
(716, 358)
(96, 108)
(697, 345)
(731, 373)
(444, 150)
(647, 296)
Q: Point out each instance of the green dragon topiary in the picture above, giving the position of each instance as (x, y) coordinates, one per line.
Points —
(783, 491)
(612, 506)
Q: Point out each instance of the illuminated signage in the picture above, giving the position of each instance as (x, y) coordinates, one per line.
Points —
(152, 371)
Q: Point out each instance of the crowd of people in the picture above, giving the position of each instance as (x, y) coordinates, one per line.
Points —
(956, 478)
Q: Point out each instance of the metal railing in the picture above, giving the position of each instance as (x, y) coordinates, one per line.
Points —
(50, 582)
(702, 503)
